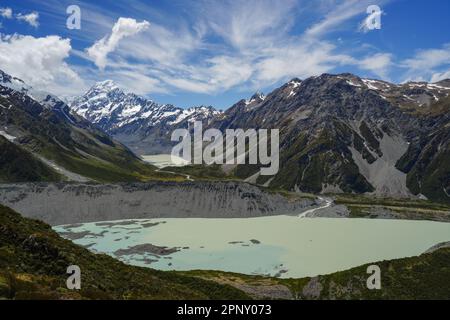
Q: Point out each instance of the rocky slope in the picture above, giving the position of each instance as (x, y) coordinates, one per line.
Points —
(341, 133)
(59, 204)
(140, 123)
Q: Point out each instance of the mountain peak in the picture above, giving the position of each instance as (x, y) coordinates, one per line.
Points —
(119, 112)
(257, 97)
(13, 82)
(43, 97)
(295, 80)
(106, 85)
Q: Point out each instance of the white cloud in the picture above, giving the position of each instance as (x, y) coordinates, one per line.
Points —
(440, 76)
(249, 23)
(124, 27)
(428, 64)
(40, 62)
(218, 73)
(232, 43)
(429, 59)
(298, 60)
(136, 82)
(337, 15)
(216, 47)
(6, 13)
(258, 48)
(32, 18)
(378, 63)
(161, 45)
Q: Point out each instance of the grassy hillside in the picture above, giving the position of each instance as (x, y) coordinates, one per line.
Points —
(367, 206)
(18, 165)
(33, 262)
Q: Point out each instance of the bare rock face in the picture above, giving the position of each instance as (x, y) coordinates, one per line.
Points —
(65, 203)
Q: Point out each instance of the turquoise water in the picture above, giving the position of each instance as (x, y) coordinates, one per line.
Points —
(282, 246)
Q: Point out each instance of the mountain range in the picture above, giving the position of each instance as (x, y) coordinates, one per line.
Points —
(141, 124)
(338, 133)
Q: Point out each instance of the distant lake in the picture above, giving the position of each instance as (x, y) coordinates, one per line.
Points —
(281, 246)
(164, 160)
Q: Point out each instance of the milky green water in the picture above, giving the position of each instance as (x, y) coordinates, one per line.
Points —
(164, 160)
(286, 246)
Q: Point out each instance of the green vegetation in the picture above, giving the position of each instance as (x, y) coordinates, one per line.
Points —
(18, 165)
(290, 195)
(34, 259)
(370, 138)
(202, 172)
(424, 277)
(362, 206)
(310, 161)
(427, 162)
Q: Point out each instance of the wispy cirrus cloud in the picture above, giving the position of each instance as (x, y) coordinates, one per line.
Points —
(256, 46)
(427, 59)
(428, 64)
(211, 47)
(378, 63)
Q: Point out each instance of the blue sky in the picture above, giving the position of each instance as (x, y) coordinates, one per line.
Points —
(217, 52)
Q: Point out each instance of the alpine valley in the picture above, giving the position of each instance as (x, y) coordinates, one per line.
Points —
(75, 190)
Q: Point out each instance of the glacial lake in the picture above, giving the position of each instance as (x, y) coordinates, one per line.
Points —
(283, 246)
(164, 160)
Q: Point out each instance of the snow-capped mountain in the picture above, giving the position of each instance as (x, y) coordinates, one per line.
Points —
(44, 98)
(132, 118)
(112, 108)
